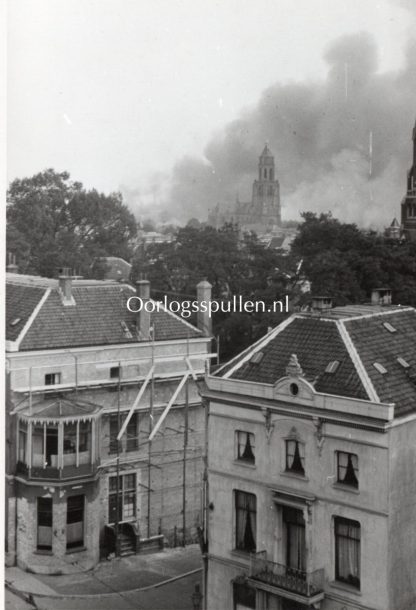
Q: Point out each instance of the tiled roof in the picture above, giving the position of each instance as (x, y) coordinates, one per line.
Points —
(99, 317)
(316, 343)
(375, 343)
(20, 303)
(351, 337)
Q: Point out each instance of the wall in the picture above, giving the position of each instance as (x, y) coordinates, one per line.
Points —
(166, 457)
(59, 560)
(368, 505)
(402, 519)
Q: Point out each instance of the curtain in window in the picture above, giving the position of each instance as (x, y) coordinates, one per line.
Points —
(246, 446)
(295, 537)
(296, 546)
(347, 468)
(348, 551)
(245, 521)
(295, 456)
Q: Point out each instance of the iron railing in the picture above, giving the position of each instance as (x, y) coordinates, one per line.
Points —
(278, 575)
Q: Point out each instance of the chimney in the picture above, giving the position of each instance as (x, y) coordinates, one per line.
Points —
(65, 286)
(143, 316)
(381, 296)
(11, 263)
(321, 304)
(203, 295)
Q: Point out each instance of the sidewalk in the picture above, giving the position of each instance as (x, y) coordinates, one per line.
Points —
(134, 573)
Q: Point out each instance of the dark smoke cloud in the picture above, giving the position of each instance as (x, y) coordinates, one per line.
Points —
(320, 135)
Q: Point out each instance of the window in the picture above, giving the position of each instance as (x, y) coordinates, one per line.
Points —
(114, 428)
(44, 538)
(45, 446)
(75, 522)
(77, 443)
(115, 372)
(132, 435)
(347, 551)
(52, 378)
(22, 442)
(295, 538)
(244, 597)
(245, 446)
(295, 457)
(70, 438)
(347, 468)
(126, 498)
(84, 441)
(245, 521)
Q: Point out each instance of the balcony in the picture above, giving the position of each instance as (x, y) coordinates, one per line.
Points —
(57, 440)
(49, 473)
(290, 583)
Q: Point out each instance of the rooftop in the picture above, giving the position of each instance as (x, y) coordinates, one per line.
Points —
(360, 351)
(37, 318)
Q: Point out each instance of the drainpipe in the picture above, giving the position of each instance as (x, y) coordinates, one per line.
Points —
(205, 508)
(117, 524)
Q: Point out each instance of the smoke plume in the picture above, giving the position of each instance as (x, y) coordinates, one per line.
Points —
(342, 144)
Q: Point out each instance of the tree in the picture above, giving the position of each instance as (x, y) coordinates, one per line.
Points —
(54, 222)
(234, 265)
(347, 263)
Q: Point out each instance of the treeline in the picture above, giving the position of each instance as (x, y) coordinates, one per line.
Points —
(53, 222)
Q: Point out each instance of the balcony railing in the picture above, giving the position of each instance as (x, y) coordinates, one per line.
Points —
(306, 584)
(53, 473)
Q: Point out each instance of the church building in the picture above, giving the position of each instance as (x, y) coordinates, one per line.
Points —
(263, 212)
(408, 216)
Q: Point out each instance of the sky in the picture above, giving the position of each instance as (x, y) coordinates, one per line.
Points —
(170, 101)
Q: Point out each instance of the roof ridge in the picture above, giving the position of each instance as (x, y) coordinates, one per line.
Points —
(356, 360)
(263, 341)
(397, 309)
(33, 316)
(176, 316)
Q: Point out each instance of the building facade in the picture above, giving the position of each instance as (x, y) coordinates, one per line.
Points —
(104, 423)
(408, 206)
(311, 465)
(263, 213)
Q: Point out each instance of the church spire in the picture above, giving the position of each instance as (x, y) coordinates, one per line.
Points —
(266, 165)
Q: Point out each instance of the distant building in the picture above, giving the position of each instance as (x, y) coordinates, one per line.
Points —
(394, 230)
(312, 460)
(408, 216)
(263, 212)
(147, 238)
(88, 384)
(115, 268)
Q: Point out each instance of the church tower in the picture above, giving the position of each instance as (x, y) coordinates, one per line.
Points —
(408, 216)
(266, 192)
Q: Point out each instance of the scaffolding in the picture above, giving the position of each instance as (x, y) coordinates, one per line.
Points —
(156, 370)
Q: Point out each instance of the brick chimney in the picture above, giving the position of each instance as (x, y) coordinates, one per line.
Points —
(65, 286)
(143, 316)
(381, 296)
(203, 295)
